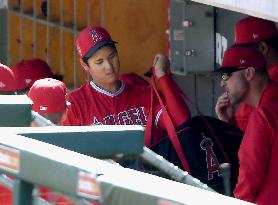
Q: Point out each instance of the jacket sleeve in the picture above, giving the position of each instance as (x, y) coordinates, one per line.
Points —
(174, 102)
(254, 156)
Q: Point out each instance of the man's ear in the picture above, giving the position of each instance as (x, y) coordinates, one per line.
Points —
(263, 48)
(84, 65)
(250, 73)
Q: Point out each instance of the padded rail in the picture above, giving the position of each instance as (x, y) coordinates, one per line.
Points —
(77, 175)
(103, 141)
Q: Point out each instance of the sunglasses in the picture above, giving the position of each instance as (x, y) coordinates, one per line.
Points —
(226, 75)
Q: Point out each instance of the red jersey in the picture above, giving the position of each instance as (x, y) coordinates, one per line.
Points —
(258, 153)
(91, 105)
(130, 105)
(273, 72)
(242, 115)
(133, 78)
(244, 111)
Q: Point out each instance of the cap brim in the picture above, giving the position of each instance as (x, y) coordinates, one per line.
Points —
(225, 70)
(98, 46)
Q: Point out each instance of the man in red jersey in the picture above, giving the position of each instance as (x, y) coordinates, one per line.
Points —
(245, 79)
(261, 35)
(106, 100)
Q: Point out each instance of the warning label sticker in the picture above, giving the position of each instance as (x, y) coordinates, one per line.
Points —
(9, 159)
(88, 185)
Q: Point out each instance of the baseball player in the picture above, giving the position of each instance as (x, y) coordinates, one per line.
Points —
(245, 79)
(49, 99)
(261, 35)
(106, 100)
(7, 80)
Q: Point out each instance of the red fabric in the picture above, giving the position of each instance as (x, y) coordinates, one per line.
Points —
(48, 96)
(172, 134)
(90, 105)
(273, 72)
(253, 29)
(242, 115)
(53, 197)
(7, 79)
(91, 39)
(178, 109)
(258, 154)
(28, 71)
(6, 196)
(134, 79)
(242, 57)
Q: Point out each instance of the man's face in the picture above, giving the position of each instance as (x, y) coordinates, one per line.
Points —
(235, 85)
(104, 66)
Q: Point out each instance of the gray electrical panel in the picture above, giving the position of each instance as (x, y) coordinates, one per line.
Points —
(15, 111)
(191, 37)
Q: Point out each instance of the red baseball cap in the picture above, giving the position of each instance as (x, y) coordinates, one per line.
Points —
(238, 57)
(7, 79)
(28, 71)
(252, 29)
(48, 96)
(90, 39)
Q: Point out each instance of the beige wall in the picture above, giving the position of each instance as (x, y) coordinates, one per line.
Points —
(140, 29)
(138, 25)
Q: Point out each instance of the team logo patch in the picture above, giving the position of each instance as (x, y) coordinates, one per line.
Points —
(212, 162)
(255, 35)
(242, 61)
(43, 108)
(28, 81)
(95, 36)
(2, 85)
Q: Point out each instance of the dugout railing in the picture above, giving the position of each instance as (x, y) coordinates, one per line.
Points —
(33, 162)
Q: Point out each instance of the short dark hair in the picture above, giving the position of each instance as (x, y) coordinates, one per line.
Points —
(272, 42)
(85, 59)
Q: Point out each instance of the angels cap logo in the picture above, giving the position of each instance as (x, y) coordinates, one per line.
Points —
(255, 35)
(242, 61)
(43, 108)
(2, 85)
(28, 81)
(96, 36)
(79, 49)
(211, 159)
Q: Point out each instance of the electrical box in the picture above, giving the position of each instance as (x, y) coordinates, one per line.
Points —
(191, 37)
(15, 111)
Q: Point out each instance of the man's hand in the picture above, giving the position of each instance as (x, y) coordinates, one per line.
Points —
(224, 109)
(161, 65)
